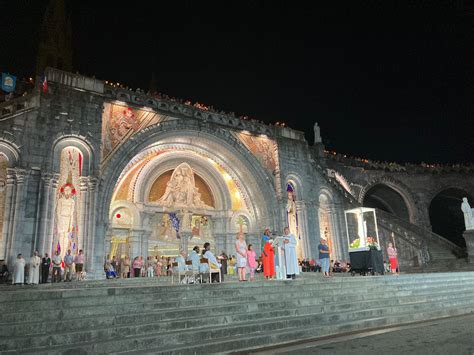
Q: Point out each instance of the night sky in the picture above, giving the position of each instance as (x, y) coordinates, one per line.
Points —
(385, 80)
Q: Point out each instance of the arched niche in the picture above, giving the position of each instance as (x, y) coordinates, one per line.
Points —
(82, 145)
(387, 199)
(445, 214)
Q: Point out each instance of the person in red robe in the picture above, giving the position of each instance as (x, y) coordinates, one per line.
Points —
(268, 259)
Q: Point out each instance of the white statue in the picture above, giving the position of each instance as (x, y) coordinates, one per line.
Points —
(181, 190)
(468, 214)
(317, 133)
(64, 216)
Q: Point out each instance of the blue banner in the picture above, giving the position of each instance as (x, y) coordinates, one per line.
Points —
(8, 82)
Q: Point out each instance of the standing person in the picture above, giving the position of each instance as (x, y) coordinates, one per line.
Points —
(33, 274)
(291, 262)
(68, 261)
(392, 258)
(268, 260)
(265, 238)
(125, 267)
(45, 265)
(241, 249)
(137, 266)
(324, 256)
(251, 262)
(150, 267)
(157, 266)
(79, 265)
(56, 267)
(19, 270)
(223, 258)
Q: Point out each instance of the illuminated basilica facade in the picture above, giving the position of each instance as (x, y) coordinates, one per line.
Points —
(85, 165)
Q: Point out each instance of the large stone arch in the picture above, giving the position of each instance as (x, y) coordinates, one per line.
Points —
(167, 161)
(77, 142)
(391, 195)
(217, 143)
(446, 217)
(11, 152)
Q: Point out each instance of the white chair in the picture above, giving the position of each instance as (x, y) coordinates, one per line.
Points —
(180, 273)
(211, 270)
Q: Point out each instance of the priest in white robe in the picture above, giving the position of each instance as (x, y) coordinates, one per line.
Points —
(34, 269)
(19, 270)
(291, 261)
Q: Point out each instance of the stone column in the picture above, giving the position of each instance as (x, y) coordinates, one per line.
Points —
(469, 238)
(94, 241)
(17, 242)
(85, 209)
(47, 225)
(304, 229)
(45, 204)
(10, 193)
(335, 234)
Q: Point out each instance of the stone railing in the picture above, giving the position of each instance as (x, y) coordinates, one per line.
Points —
(18, 105)
(188, 110)
(416, 234)
(395, 167)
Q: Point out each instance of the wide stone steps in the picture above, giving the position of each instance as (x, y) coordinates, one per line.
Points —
(143, 318)
(150, 341)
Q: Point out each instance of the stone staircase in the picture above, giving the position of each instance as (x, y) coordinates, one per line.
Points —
(146, 316)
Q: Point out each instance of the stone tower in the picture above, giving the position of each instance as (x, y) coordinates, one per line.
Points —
(54, 47)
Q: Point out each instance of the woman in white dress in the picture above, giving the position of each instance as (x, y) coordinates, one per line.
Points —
(241, 249)
(19, 270)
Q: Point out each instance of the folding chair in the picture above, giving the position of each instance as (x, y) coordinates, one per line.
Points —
(211, 270)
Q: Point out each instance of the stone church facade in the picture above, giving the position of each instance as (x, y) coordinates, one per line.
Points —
(86, 165)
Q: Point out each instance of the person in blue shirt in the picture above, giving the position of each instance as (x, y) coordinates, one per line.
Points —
(195, 258)
(324, 253)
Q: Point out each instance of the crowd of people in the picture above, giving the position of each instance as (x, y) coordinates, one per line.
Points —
(245, 263)
(396, 167)
(42, 269)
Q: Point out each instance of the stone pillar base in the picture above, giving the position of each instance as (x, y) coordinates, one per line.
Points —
(469, 238)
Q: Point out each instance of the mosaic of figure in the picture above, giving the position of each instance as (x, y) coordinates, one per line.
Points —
(202, 227)
(181, 190)
(262, 148)
(119, 122)
(67, 207)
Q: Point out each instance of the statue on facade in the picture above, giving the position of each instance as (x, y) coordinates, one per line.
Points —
(468, 214)
(317, 134)
(292, 213)
(65, 215)
(181, 190)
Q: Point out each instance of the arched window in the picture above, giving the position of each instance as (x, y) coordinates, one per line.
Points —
(67, 211)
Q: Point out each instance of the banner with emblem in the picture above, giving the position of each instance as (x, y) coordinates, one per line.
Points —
(8, 82)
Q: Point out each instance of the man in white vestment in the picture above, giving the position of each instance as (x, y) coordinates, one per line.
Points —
(19, 270)
(289, 246)
(33, 274)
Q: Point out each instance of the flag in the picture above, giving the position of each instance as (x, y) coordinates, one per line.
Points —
(45, 84)
(8, 82)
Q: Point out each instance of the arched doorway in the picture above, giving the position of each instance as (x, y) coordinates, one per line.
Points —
(446, 217)
(387, 199)
(228, 182)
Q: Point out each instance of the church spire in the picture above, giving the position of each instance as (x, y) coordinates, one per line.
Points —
(54, 45)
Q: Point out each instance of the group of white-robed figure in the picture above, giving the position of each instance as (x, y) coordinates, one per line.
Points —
(291, 261)
(33, 271)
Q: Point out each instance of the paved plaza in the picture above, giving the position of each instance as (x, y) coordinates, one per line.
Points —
(453, 335)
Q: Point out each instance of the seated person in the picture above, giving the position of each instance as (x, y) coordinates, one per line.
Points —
(195, 258)
(109, 270)
(215, 265)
